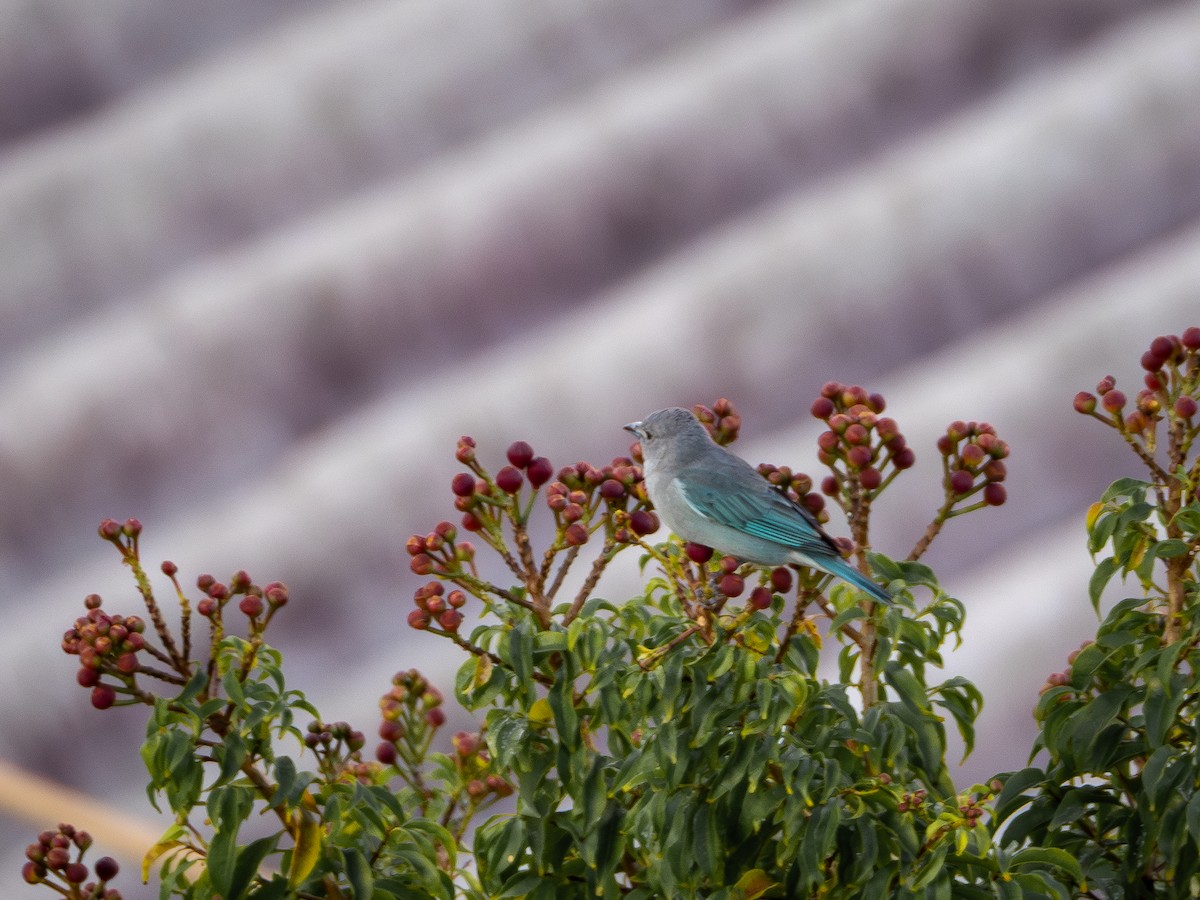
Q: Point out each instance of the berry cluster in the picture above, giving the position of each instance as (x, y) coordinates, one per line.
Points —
(860, 444)
(338, 748)
(733, 584)
(722, 420)
(473, 764)
(1172, 365)
(972, 461)
(255, 600)
(106, 645)
(411, 712)
(57, 860)
(583, 492)
(435, 604)
(799, 487)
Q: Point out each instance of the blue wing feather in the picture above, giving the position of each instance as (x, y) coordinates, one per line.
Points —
(758, 509)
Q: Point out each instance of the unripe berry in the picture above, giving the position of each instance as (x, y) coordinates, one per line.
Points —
(419, 619)
(904, 459)
(472, 522)
(575, 534)
(995, 494)
(386, 754)
(450, 619)
(435, 717)
(822, 408)
(1185, 407)
(760, 597)
(870, 477)
(251, 606)
(422, 564)
(103, 696)
(1151, 362)
(1191, 338)
(76, 873)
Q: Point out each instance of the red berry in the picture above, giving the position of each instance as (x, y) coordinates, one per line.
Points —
(103, 696)
(995, 494)
(973, 454)
(386, 754)
(520, 454)
(436, 717)
(391, 730)
(539, 471)
(450, 619)
(643, 522)
(456, 599)
(731, 585)
(870, 478)
(1191, 338)
(169, 569)
(127, 663)
(1151, 362)
(76, 873)
(575, 534)
(471, 522)
(1114, 401)
(1085, 403)
(611, 489)
(729, 564)
(1163, 347)
(904, 459)
(781, 579)
(251, 606)
(822, 408)
(422, 564)
(698, 553)
(419, 619)
(1185, 407)
(509, 479)
(961, 481)
(829, 485)
(107, 868)
(87, 677)
(463, 484)
(760, 597)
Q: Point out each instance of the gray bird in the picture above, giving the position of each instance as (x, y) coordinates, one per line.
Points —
(708, 496)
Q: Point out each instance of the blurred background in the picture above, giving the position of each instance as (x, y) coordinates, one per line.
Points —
(263, 261)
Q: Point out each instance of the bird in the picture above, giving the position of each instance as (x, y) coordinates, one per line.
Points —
(709, 496)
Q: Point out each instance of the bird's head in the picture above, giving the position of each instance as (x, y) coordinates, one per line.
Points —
(675, 427)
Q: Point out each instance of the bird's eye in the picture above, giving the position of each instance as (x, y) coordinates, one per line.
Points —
(648, 435)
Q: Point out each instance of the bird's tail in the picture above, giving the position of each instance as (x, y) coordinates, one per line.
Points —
(842, 569)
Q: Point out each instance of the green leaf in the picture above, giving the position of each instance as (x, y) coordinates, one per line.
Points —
(1099, 580)
(358, 872)
(1052, 857)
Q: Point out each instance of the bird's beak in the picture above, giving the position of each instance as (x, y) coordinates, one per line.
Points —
(635, 428)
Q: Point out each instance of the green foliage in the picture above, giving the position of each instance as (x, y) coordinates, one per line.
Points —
(731, 731)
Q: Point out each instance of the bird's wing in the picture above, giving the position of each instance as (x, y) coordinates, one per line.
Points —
(754, 508)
